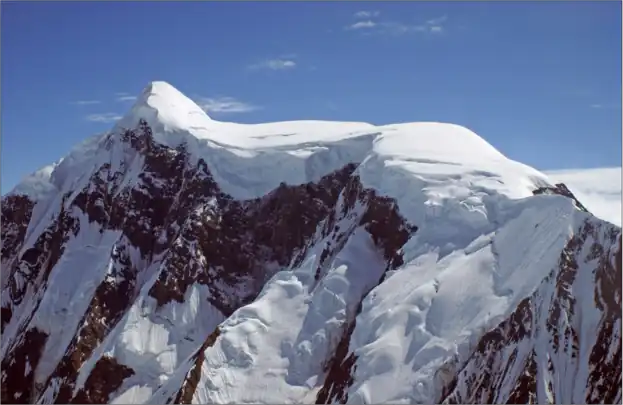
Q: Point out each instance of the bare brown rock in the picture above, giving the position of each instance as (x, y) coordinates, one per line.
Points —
(19, 366)
(498, 363)
(179, 221)
(189, 386)
(561, 189)
(205, 236)
(16, 213)
(389, 231)
(105, 378)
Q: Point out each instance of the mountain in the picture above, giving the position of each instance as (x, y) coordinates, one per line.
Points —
(599, 189)
(179, 259)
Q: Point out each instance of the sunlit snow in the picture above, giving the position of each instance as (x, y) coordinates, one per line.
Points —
(484, 243)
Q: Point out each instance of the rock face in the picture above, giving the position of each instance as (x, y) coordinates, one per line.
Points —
(176, 215)
(133, 285)
(544, 352)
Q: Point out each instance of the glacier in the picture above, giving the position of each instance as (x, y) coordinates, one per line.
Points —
(200, 261)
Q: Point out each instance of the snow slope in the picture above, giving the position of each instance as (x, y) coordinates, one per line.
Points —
(153, 289)
(598, 189)
(410, 325)
(247, 160)
(435, 309)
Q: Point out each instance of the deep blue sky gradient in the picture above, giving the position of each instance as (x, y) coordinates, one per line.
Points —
(541, 81)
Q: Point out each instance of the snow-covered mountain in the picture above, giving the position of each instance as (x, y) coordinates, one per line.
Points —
(178, 259)
(598, 189)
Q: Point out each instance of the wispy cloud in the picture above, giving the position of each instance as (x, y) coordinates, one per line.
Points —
(606, 106)
(361, 25)
(397, 28)
(225, 105)
(284, 62)
(437, 21)
(126, 98)
(86, 102)
(103, 117)
(435, 25)
(366, 14)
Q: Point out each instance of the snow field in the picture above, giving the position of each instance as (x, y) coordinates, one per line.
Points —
(483, 244)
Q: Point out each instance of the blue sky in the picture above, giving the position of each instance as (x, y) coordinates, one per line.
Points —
(541, 81)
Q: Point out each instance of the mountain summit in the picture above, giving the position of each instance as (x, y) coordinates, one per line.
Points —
(161, 104)
(179, 259)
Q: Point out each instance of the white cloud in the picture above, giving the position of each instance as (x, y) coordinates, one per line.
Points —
(86, 102)
(367, 14)
(398, 28)
(606, 106)
(598, 189)
(361, 25)
(225, 105)
(282, 63)
(432, 26)
(435, 25)
(437, 21)
(103, 117)
(126, 98)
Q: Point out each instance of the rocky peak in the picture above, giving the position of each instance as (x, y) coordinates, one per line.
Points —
(162, 106)
(144, 271)
(560, 189)
(549, 325)
(177, 218)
